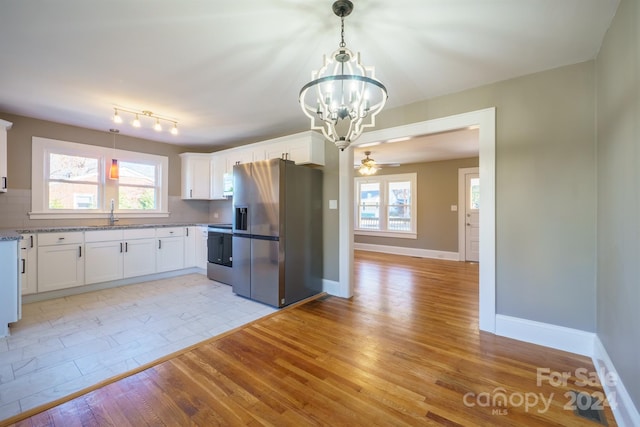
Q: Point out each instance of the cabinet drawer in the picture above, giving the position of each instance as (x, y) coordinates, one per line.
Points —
(170, 232)
(139, 233)
(102, 235)
(61, 238)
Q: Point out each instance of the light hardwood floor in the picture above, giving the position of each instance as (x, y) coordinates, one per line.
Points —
(405, 350)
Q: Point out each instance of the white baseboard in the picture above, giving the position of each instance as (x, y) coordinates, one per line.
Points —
(400, 250)
(579, 342)
(624, 410)
(331, 287)
(558, 337)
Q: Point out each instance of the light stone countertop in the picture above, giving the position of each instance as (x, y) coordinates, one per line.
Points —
(14, 234)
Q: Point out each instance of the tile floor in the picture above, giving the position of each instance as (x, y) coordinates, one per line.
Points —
(64, 345)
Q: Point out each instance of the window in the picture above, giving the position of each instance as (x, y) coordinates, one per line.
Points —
(69, 181)
(386, 205)
(72, 181)
(137, 186)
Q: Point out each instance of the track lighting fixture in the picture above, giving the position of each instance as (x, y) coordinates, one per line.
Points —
(157, 126)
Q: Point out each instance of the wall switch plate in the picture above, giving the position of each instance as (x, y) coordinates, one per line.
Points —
(454, 208)
(333, 204)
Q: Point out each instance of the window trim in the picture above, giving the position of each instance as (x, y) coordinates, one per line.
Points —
(107, 189)
(384, 181)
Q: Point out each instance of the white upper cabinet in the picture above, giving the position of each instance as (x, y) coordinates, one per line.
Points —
(196, 176)
(304, 148)
(4, 126)
(218, 167)
(237, 156)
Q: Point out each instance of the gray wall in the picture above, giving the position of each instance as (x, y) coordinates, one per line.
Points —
(618, 124)
(16, 203)
(545, 189)
(437, 190)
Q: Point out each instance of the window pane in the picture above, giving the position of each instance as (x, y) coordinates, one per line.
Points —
(475, 193)
(137, 174)
(399, 210)
(369, 205)
(73, 168)
(136, 198)
(64, 195)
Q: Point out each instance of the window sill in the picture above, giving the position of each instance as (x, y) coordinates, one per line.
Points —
(95, 215)
(394, 234)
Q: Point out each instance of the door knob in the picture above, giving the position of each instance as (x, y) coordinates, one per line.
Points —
(468, 225)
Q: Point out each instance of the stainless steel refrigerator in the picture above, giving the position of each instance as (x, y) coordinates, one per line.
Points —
(277, 231)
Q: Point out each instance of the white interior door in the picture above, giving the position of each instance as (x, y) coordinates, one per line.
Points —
(472, 217)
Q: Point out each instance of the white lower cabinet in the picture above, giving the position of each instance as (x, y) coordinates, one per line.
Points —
(189, 247)
(202, 234)
(140, 257)
(10, 297)
(29, 264)
(169, 249)
(104, 254)
(60, 260)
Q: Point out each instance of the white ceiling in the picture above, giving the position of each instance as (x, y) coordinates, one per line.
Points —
(458, 144)
(230, 71)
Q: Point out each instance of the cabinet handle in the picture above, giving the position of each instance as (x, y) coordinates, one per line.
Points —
(24, 263)
(4, 180)
(187, 231)
(191, 194)
(80, 251)
(126, 246)
(31, 237)
(159, 244)
(120, 247)
(60, 238)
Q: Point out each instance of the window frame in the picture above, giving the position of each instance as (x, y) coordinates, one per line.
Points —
(107, 188)
(384, 181)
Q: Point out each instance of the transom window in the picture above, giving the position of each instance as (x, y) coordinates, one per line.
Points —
(69, 180)
(386, 205)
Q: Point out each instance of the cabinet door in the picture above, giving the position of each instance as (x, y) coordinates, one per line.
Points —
(238, 157)
(60, 267)
(276, 150)
(29, 264)
(4, 125)
(103, 261)
(10, 297)
(202, 234)
(170, 254)
(189, 247)
(196, 177)
(218, 169)
(139, 257)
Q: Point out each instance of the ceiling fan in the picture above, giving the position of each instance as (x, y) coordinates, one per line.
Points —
(369, 166)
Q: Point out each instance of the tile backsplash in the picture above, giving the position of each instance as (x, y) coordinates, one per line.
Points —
(16, 204)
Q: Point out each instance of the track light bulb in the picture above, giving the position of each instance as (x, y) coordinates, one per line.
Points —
(174, 129)
(116, 117)
(136, 122)
(157, 127)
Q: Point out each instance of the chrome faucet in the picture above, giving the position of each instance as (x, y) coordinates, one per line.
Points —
(112, 217)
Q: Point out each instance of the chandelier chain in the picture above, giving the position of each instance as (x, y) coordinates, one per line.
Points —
(342, 43)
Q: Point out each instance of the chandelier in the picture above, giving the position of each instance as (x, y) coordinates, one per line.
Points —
(368, 165)
(343, 96)
(156, 119)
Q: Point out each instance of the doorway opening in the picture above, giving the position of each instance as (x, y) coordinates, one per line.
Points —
(484, 120)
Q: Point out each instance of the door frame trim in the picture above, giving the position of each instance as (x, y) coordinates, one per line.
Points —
(485, 121)
(462, 207)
